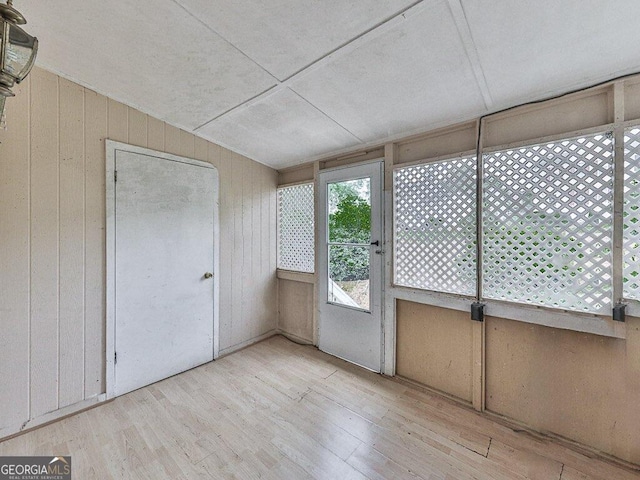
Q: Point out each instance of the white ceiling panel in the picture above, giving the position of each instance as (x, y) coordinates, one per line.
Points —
(147, 53)
(414, 76)
(288, 81)
(279, 130)
(287, 35)
(529, 50)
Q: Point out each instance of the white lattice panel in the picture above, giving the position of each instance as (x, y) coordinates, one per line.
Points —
(435, 226)
(631, 273)
(296, 228)
(547, 224)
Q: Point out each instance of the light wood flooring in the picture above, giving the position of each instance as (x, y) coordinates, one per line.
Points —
(278, 410)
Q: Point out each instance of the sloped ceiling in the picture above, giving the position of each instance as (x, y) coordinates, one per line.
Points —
(289, 81)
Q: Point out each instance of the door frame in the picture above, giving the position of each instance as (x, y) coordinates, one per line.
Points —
(112, 147)
(320, 244)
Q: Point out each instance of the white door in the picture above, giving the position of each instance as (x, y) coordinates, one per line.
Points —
(164, 296)
(350, 259)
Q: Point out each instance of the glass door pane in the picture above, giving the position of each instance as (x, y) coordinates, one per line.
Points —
(349, 232)
(349, 276)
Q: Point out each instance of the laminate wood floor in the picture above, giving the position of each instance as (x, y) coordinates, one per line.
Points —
(278, 410)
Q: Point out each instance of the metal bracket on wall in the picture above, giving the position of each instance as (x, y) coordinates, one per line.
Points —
(477, 311)
(619, 312)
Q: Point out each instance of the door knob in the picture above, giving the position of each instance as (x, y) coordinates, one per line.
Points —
(208, 275)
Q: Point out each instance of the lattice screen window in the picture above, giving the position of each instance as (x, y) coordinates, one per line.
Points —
(435, 226)
(631, 272)
(547, 224)
(296, 228)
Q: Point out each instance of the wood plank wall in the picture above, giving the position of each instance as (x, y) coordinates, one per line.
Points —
(52, 227)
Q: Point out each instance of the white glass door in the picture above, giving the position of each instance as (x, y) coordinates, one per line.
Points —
(350, 256)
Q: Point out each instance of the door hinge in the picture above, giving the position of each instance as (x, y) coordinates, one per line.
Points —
(115, 358)
(115, 175)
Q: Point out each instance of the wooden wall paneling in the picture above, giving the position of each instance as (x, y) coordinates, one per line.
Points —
(632, 99)
(295, 309)
(155, 134)
(265, 241)
(478, 349)
(296, 174)
(247, 253)
(187, 144)
(570, 383)
(234, 335)
(260, 310)
(118, 117)
(569, 114)
(227, 232)
(214, 155)
(434, 347)
(201, 149)
(72, 261)
(95, 115)
(628, 442)
(266, 271)
(14, 260)
(271, 234)
(44, 243)
(445, 141)
(270, 280)
(138, 132)
(172, 139)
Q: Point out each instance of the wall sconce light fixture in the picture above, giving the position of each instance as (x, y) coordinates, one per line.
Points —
(18, 51)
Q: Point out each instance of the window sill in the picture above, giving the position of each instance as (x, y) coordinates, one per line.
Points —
(302, 277)
(576, 321)
(633, 308)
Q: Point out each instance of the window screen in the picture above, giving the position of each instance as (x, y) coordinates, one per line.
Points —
(547, 224)
(435, 226)
(296, 228)
(631, 235)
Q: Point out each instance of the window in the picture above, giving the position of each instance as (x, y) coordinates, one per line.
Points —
(631, 225)
(547, 224)
(296, 228)
(435, 226)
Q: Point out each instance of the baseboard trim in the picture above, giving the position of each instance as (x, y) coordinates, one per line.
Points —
(226, 351)
(11, 432)
(295, 338)
(578, 447)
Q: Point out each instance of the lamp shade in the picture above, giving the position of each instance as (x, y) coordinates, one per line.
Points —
(19, 51)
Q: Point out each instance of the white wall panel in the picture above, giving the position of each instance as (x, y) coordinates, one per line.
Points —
(45, 245)
(14, 261)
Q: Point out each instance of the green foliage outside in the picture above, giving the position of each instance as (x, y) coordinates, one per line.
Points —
(349, 222)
